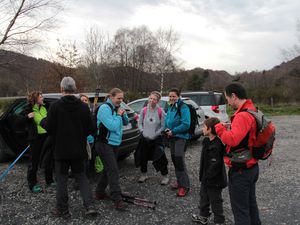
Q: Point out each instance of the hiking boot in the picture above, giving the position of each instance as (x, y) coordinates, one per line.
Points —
(101, 196)
(182, 192)
(174, 185)
(142, 179)
(120, 205)
(36, 189)
(61, 213)
(164, 180)
(90, 211)
(200, 219)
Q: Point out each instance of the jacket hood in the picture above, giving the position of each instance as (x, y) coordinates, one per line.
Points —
(71, 103)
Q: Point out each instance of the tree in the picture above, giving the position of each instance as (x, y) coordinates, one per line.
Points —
(293, 51)
(195, 83)
(23, 21)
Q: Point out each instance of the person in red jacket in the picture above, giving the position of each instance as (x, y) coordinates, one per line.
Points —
(243, 168)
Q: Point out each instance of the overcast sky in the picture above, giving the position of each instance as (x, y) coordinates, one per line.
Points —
(231, 35)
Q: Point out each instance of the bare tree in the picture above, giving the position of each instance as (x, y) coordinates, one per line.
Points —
(167, 45)
(294, 51)
(22, 21)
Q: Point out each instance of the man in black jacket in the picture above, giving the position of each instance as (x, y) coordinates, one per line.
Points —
(69, 123)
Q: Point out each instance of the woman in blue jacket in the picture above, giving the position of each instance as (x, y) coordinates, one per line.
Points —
(177, 125)
(110, 119)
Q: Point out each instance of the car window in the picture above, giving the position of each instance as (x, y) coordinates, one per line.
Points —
(220, 99)
(203, 99)
(19, 108)
(137, 106)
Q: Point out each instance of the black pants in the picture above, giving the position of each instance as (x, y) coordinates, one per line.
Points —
(147, 154)
(36, 149)
(211, 197)
(110, 174)
(243, 196)
(77, 168)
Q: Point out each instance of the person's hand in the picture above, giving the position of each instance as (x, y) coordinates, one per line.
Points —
(30, 115)
(168, 133)
(121, 111)
(227, 125)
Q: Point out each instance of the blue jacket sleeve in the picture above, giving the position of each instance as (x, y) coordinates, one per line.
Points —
(185, 121)
(111, 121)
(125, 119)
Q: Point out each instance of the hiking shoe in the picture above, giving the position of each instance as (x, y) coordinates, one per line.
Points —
(200, 219)
(51, 185)
(36, 189)
(182, 192)
(164, 180)
(142, 179)
(101, 196)
(120, 205)
(90, 211)
(61, 213)
(174, 185)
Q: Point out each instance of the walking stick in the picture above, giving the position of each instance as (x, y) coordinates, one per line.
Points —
(139, 201)
(11, 165)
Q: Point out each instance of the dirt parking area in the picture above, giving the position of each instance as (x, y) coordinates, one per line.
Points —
(278, 191)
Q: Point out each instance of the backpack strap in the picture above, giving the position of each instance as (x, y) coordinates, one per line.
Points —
(159, 111)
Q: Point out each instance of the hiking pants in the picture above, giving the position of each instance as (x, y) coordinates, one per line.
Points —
(77, 168)
(110, 174)
(35, 150)
(242, 195)
(178, 148)
(211, 197)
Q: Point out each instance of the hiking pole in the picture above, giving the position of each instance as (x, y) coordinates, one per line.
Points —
(11, 165)
(127, 195)
(139, 201)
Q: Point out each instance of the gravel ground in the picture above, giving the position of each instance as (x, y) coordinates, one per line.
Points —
(278, 191)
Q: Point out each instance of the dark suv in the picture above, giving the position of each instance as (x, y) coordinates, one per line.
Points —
(13, 131)
(213, 103)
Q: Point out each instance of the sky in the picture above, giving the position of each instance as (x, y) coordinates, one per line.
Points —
(230, 35)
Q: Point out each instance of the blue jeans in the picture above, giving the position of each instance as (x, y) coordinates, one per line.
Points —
(242, 194)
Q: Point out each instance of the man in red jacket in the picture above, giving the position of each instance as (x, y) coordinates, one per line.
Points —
(243, 168)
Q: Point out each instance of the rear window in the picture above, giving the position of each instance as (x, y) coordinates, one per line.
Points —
(220, 99)
(202, 99)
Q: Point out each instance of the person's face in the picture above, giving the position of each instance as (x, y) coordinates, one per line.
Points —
(40, 100)
(231, 100)
(173, 97)
(206, 130)
(153, 100)
(84, 99)
(117, 99)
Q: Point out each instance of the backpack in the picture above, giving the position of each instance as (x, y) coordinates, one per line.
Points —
(265, 136)
(193, 117)
(103, 131)
(159, 111)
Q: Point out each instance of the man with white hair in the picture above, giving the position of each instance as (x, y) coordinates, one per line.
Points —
(69, 122)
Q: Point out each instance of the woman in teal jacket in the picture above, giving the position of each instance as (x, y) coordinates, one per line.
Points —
(177, 124)
(110, 119)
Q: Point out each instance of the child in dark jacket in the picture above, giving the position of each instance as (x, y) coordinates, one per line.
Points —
(212, 175)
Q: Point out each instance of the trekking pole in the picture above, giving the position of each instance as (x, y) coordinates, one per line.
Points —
(11, 165)
(128, 196)
(139, 203)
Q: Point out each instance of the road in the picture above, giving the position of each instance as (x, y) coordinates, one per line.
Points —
(278, 191)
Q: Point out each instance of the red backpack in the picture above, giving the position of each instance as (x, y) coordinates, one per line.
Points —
(265, 137)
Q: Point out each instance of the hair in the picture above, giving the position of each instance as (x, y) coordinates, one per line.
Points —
(157, 94)
(33, 97)
(83, 95)
(113, 92)
(68, 85)
(210, 123)
(176, 90)
(237, 89)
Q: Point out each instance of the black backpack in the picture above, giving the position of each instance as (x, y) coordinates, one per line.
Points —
(193, 115)
(103, 131)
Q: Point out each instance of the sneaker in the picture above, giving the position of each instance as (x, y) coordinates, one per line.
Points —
(60, 213)
(200, 219)
(142, 179)
(36, 189)
(101, 196)
(164, 180)
(90, 211)
(119, 205)
(174, 185)
(182, 192)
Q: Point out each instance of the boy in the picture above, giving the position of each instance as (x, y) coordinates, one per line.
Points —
(212, 175)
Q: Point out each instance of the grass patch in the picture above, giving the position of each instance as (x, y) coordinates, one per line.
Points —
(276, 110)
